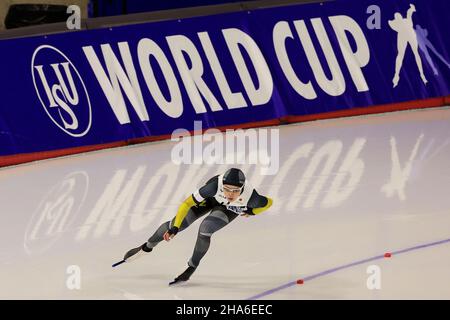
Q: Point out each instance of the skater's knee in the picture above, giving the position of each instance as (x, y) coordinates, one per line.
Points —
(205, 230)
(163, 228)
(210, 225)
(158, 235)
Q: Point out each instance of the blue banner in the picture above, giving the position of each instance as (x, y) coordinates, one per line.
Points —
(113, 84)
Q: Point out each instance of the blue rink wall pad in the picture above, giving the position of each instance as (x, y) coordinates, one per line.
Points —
(79, 91)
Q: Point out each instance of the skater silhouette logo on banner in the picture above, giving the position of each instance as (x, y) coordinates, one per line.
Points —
(416, 38)
(424, 45)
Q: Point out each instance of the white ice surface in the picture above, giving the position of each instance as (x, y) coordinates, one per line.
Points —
(346, 190)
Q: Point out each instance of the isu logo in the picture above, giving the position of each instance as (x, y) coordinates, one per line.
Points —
(61, 90)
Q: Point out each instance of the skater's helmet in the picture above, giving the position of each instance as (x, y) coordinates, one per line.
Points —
(234, 177)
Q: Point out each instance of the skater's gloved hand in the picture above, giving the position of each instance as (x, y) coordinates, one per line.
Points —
(170, 233)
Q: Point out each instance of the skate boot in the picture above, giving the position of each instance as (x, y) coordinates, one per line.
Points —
(183, 277)
(136, 253)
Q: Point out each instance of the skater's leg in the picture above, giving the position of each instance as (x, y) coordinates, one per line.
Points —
(158, 236)
(425, 51)
(215, 221)
(415, 48)
(192, 215)
(401, 47)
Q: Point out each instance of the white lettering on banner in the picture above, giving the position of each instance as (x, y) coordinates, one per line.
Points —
(235, 38)
(281, 32)
(354, 60)
(192, 77)
(118, 78)
(72, 99)
(121, 77)
(148, 48)
(335, 86)
(233, 100)
(61, 103)
(52, 93)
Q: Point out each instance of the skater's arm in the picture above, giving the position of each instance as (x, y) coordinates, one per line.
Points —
(183, 210)
(258, 204)
(410, 12)
(392, 24)
(268, 204)
(208, 190)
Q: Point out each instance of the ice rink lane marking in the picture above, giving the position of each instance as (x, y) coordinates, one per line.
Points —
(346, 266)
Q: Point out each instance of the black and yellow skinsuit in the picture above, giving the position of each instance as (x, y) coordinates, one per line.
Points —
(210, 199)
